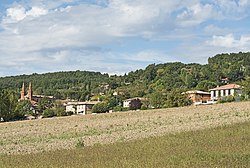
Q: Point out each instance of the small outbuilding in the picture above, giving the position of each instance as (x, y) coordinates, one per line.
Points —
(199, 97)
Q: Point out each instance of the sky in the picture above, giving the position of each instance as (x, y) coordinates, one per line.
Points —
(117, 36)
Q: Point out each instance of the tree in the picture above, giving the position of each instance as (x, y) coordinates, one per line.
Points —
(102, 107)
(246, 87)
(48, 113)
(156, 99)
(206, 85)
(44, 104)
(176, 99)
(23, 107)
(8, 102)
(59, 109)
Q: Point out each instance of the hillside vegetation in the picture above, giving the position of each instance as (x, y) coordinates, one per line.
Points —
(160, 78)
(224, 146)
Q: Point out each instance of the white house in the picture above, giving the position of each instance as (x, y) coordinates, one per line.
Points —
(226, 90)
(127, 102)
(80, 107)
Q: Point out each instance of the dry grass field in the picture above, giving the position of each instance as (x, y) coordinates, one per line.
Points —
(24, 137)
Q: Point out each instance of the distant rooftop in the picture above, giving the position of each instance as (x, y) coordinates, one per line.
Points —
(229, 86)
(196, 92)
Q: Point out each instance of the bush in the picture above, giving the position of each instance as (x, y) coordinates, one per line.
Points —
(143, 107)
(125, 109)
(80, 143)
(117, 108)
(226, 99)
(48, 113)
(102, 107)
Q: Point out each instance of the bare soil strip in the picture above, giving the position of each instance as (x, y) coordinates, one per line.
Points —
(35, 136)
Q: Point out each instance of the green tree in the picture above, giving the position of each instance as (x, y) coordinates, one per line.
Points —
(24, 107)
(206, 85)
(175, 98)
(246, 87)
(60, 110)
(8, 103)
(101, 107)
(49, 112)
(157, 99)
(44, 104)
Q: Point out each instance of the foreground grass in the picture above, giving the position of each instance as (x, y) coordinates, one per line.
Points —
(63, 133)
(225, 146)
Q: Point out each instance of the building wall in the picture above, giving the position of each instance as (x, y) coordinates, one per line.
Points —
(70, 108)
(215, 94)
(199, 97)
(80, 108)
(126, 104)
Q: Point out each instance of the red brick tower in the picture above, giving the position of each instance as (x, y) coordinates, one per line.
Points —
(22, 92)
(30, 94)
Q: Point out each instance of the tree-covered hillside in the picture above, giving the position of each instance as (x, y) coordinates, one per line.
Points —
(72, 84)
(160, 78)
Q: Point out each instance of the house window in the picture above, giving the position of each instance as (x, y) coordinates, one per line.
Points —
(224, 92)
(229, 92)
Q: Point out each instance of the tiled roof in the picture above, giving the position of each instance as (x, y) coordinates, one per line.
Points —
(229, 86)
(82, 103)
(196, 92)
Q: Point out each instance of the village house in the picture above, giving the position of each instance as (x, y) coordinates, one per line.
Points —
(199, 97)
(225, 90)
(80, 107)
(128, 102)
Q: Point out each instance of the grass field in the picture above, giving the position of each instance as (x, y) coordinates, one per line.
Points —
(155, 138)
(226, 146)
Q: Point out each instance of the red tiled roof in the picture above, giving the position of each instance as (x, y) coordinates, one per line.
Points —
(229, 86)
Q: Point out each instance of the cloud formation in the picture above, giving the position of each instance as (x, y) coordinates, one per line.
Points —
(42, 36)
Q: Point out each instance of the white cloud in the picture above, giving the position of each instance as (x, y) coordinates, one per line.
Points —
(59, 33)
(213, 29)
(18, 13)
(196, 14)
(229, 41)
(36, 11)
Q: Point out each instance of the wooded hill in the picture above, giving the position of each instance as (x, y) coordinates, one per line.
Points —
(155, 78)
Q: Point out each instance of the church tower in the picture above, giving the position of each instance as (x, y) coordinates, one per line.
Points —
(22, 92)
(30, 94)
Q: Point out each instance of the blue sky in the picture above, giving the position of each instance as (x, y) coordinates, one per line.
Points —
(117, 36)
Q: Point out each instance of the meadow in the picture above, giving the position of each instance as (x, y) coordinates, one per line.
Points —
(187, 137)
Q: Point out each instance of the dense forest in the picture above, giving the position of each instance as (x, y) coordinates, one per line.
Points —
(160, 84)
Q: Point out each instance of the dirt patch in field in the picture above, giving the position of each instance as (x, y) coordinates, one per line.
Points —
(66, 132)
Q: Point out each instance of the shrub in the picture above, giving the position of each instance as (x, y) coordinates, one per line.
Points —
(102, 107)
(143, 107)
(80, 143)
(48, 113)
(226, 99)
(117, 108)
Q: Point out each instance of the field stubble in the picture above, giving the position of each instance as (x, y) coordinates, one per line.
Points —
(35, 136)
